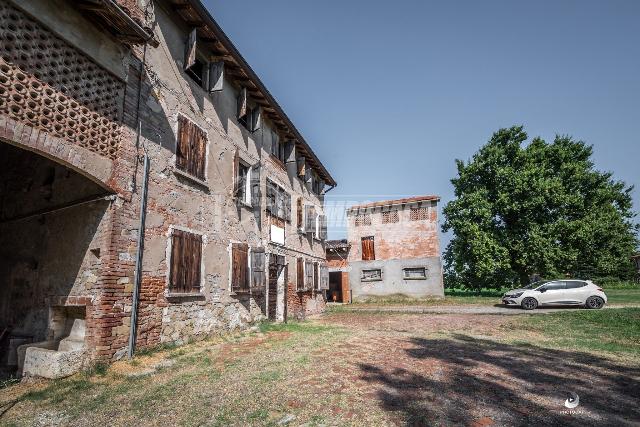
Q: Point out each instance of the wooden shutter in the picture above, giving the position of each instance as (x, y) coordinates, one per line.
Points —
(183, 145)
(299, 213)
(236, 174)
(290, 152)
(255, 186)
(310, 219)
(271, 197)
(216, 76)
(316, 276)
(287, 205)
(190, 50)
(239, 276)
(368, 250)
(324, 276)
(300, 274)
(275, 141)
(185, 264)
(301, 166)
(199, 153)
(243, 108)
(280, 202)
(323, 227)
(258, 276)
(308, 272)
(256, 119)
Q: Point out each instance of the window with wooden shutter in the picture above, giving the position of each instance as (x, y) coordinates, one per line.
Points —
(278, 201)
(255, 119)
(302, 167)
(300, 274)
(191, 148)
(254, 186)
(368, 250)
(185, 263)
(322, 227)
(239, 267)
(258, 275)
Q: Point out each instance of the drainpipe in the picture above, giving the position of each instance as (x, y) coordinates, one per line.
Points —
(140, 249)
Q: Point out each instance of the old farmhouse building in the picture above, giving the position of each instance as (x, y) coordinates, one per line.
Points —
(107, 106)
(392, 248)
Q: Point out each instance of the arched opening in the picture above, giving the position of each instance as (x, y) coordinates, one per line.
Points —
(52, 221)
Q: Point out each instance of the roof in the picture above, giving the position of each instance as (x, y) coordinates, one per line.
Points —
(337, 244)
(405, 201)
(195, 14)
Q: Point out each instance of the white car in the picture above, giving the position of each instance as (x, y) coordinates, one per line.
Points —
(557, 292)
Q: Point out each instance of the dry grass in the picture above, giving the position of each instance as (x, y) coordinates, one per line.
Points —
(342, 369)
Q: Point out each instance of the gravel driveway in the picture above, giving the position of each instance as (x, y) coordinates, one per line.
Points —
(466, 309)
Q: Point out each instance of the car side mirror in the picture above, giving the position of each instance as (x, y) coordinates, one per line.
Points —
(543, 290)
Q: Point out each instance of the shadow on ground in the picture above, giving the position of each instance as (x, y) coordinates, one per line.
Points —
(482, 382)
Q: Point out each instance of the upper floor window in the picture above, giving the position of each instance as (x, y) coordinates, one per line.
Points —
(390, 217)
(278, 147)
(419, 214)
(368, 248)
(362, 219)
(250, 118)
(191, 148)
(246, 183)
(278, 201)
(207, 74)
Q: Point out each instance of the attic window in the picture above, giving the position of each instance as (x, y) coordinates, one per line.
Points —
(196, 72)
(390, 217)
(419, 214)
(363, 219)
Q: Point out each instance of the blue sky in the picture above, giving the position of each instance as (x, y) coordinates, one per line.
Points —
(389, 94)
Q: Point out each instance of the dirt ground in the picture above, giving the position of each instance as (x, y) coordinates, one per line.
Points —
(348, 368)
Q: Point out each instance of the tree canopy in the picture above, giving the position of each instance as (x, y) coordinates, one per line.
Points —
(536, 208)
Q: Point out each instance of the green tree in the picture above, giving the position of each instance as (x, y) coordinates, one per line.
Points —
(538, 208)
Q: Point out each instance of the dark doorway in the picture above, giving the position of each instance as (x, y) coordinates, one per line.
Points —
(335, 287)
(49, 245)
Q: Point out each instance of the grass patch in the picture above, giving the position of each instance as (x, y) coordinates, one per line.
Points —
(615, 331)
(295, 327)
(623, 296)
(403, 300)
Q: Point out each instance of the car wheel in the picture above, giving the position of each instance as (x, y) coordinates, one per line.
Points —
(529, 303)
(595, 302)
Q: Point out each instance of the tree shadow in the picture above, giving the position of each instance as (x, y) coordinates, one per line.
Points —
(505, 384)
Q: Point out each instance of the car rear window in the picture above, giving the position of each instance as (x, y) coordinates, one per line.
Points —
(573, 284)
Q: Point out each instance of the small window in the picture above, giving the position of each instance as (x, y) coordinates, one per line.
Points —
(300, 213)
(419, 214)
(368, 249)
(185, 264)
(414, 273)
(371, 275)
(191, 148)
(390, 217)
(239, 267)
(363, 219)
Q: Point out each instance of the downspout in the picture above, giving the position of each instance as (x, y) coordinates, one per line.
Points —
(140, 249)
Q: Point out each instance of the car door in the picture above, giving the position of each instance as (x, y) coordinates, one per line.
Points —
(551, 293)
(576, 291)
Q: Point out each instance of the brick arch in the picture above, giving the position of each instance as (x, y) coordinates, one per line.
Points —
(95, 167)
